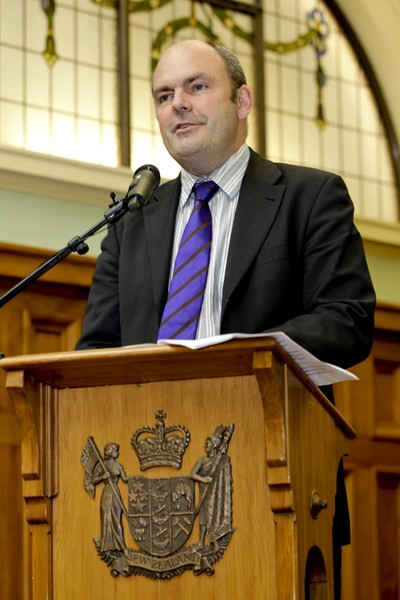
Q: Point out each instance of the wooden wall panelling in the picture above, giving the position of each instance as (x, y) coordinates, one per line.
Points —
(371, 565)
(388, 518)
(360, 566)
(46, 317)
(387, 385)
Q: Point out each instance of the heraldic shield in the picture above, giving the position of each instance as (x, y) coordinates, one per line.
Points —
(161, 513)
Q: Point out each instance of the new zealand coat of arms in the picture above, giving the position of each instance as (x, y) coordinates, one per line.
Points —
(162, 512)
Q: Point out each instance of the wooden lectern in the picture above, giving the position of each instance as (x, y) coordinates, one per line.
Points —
(273, 512)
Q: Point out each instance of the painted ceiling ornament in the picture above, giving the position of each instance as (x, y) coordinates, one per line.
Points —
(317, 23)
(318, 31)
(315, 37)
(162, 512)
(49, 53)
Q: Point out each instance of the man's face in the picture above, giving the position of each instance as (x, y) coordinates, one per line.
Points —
(200, 124)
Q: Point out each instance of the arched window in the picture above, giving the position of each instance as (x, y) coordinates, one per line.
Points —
(317, 103)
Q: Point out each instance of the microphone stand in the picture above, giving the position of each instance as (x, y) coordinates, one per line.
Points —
(117, 209)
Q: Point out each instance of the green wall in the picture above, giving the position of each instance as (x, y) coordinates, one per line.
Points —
(50, 223)
(385, 273)
(44, 222)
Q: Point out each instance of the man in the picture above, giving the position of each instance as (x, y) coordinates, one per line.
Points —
(285, 253)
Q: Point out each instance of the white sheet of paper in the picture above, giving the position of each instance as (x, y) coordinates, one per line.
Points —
(321, 373)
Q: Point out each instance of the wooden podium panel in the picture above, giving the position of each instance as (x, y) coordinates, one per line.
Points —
(76, 523)
(286, 446)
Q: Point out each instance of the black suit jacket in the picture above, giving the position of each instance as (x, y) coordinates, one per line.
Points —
(296, 264)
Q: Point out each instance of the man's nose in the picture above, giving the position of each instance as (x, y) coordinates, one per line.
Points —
(181, 101)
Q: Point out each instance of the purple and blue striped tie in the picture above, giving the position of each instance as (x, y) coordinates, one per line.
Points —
(185, 296)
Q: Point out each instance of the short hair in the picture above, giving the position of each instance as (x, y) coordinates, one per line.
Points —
(233, 66)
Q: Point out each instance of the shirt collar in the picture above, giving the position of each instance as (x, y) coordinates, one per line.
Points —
(228, 176)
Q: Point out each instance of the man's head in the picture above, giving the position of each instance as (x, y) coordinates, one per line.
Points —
(202, 102)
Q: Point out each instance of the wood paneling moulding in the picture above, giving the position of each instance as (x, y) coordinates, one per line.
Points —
(36, 414)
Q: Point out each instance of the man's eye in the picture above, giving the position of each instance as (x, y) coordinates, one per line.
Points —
(164, 98)
(199, 87)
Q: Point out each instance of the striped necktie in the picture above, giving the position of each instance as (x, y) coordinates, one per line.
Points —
(186, 292)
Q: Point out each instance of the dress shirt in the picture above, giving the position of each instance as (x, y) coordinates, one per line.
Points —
(223, 207)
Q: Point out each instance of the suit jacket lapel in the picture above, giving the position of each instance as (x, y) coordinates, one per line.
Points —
(259, 201)
(159, 223)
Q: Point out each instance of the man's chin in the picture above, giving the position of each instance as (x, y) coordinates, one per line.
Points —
(184, 151)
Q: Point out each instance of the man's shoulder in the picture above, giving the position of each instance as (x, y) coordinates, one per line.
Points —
(169, 185)
(303, 171)
(285, 172)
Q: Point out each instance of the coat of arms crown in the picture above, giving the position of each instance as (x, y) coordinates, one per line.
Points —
(160, 446)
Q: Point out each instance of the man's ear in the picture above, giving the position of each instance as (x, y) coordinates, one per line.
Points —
(244, 101)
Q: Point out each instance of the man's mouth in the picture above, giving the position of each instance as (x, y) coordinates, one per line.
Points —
(183, 126)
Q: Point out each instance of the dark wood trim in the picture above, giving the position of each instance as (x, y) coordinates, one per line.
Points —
(123, 83)
(16, 262)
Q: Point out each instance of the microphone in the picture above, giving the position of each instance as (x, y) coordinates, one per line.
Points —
(145, 180)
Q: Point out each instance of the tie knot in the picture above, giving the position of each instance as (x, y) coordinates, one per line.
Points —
(204, 190)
